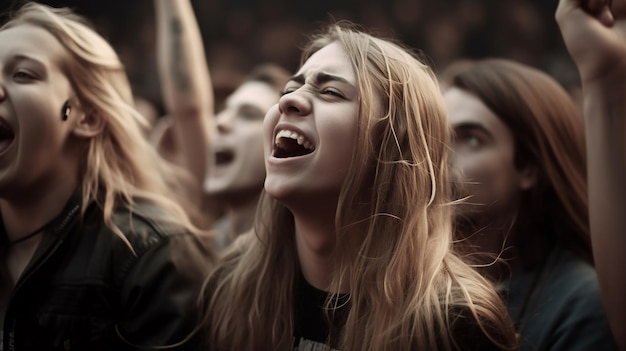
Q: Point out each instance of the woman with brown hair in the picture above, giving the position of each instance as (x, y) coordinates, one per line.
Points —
(352, 247)
(519, 165)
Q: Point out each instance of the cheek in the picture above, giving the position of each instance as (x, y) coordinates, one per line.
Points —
(474, 169)
(339, 133)
(34, 110)
(481, 173)
(37, 128)
(338, 150)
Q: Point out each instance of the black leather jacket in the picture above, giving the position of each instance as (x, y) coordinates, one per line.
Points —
(85, 289)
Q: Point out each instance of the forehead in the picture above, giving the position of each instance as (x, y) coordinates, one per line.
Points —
(253, 93)
(464, 107)
(331, 59)
(32, 42)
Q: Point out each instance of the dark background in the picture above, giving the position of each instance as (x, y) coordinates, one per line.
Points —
(239, 34)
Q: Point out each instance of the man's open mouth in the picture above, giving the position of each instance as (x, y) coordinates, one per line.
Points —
(223, 157)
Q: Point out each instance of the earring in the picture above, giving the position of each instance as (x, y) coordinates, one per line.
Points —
(65, 110)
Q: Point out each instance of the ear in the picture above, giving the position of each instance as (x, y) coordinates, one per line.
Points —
(88, 124)
(528, 177)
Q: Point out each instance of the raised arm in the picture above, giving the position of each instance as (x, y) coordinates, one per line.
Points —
(186, 85)
(595, 36)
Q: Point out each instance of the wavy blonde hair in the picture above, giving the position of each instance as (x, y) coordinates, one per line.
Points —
(408, 289)
(120, 167)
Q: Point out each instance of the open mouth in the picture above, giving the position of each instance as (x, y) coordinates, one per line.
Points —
(6, 134)
(223, 157)
(288, 143)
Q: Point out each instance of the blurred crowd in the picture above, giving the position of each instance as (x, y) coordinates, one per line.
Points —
(447, 176)
(238, 34)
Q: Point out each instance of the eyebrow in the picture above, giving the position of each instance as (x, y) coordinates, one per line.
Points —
(320, 78)
(21, 57)
(17, 58)
(469, 126)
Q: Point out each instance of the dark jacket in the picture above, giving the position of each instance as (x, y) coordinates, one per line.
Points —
(85, 288)
(558, 306)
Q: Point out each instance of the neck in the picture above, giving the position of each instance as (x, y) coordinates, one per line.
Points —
(315, 242)
(31, 210)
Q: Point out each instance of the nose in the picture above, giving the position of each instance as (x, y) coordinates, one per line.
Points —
(224, 122)
(3, 93)
(295, 103)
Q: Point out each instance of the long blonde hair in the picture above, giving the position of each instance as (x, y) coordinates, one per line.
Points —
(407, 287)
(119, 166)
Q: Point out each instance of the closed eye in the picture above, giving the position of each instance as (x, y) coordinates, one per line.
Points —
(332, 92)
(23, 75)
(326, 91)
(248, 112)
(288, 90)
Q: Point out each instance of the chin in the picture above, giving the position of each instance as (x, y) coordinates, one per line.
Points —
(218, 188)
(277, 192)
(283, 190)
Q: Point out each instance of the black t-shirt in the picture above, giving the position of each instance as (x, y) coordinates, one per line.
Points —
(312, 321)
(316, 327)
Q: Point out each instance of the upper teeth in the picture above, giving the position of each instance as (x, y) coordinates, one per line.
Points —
(295, 136)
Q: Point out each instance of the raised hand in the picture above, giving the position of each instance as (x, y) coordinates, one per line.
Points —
(594, 32)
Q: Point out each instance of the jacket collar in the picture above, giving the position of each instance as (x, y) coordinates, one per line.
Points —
(70, 210)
